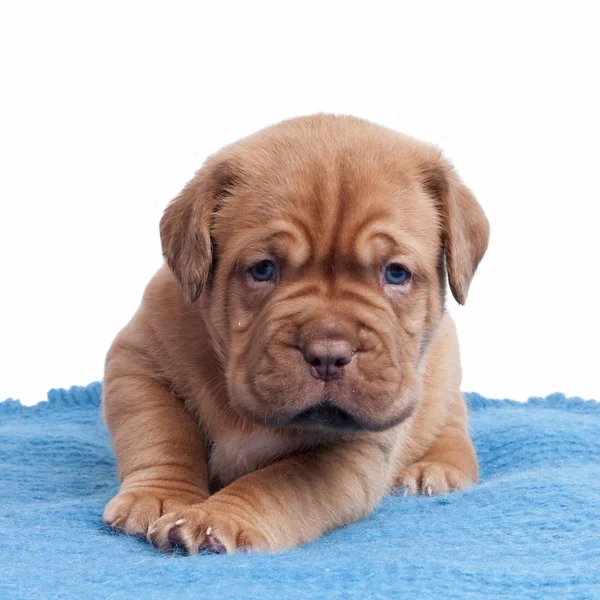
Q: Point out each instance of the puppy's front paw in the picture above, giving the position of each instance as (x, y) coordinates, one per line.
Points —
(133, 511)
(205, 528)
(429, 478)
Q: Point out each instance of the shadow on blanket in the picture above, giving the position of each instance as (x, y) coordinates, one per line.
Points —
(530, 529)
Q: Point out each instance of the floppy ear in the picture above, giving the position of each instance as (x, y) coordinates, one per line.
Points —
(185, 227)
(465, 227)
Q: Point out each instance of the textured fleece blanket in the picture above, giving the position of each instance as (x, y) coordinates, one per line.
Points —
(530, 529)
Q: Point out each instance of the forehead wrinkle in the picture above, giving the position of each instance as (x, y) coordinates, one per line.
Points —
(338, 195)
(377, 228)
(360, 234)
(292, 241)
(284, 240)
(374, 248)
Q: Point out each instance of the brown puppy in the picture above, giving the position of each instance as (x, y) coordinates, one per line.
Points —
(294, 361)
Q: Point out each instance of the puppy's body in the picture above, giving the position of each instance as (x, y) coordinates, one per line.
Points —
(298, 400)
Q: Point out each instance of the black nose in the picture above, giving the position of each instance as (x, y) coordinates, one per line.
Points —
(327, 357)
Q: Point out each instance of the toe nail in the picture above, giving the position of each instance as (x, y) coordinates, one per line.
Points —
(179, 521)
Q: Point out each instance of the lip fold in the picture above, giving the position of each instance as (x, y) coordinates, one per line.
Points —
(325, 414)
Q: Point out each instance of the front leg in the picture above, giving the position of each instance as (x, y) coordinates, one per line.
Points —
(285, 504)
(450, 462)
(159, 448)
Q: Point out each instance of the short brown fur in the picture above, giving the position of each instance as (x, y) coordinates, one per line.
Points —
(205, 386)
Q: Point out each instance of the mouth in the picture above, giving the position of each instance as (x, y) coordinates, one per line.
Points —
(325, 415)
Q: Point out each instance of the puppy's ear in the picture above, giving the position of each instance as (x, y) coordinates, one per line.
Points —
(185, 227)
(465, 227)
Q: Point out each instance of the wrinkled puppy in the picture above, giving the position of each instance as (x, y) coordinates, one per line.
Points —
(293, 360)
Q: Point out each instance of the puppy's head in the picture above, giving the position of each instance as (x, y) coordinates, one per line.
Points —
(319, 249)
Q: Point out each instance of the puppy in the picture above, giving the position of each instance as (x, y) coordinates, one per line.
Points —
(292, 362)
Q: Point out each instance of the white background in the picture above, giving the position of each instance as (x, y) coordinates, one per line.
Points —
(107, 109)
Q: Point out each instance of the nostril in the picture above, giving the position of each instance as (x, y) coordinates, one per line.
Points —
(314, 361)
(342, 361)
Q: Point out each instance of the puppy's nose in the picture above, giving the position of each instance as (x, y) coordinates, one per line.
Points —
(327, 357)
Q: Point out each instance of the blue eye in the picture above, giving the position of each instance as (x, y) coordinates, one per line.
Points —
(264, 270)
(396, 274)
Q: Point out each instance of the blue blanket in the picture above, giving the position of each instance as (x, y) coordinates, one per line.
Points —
(530, 529)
